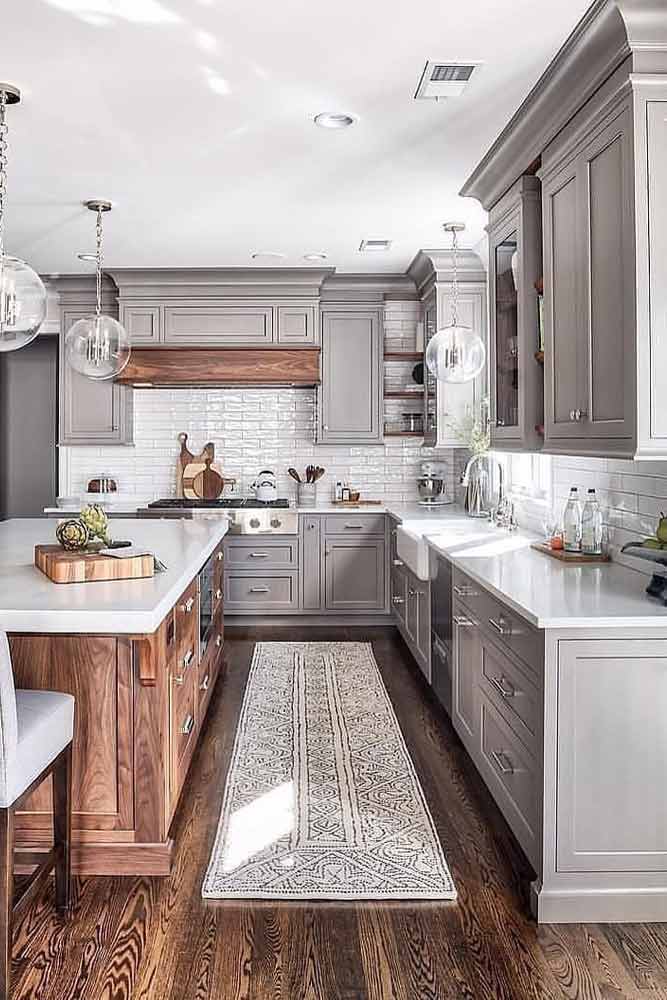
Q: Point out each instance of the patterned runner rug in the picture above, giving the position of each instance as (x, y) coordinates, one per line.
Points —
(322, 800)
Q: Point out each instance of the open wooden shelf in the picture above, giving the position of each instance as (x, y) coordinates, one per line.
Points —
(404, 394)
(403, 356)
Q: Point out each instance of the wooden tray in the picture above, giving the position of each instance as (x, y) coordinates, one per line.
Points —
(358, 503)
(88, 567)
(568, 557)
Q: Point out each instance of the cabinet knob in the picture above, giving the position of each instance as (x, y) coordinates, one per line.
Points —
(577, 415)
(398, 562)
(325, 427)
(500, 422)
(187, 726)
(398, 600)
(218, 594)
(218, 641)
(188, 606)
(219, 557)
(204, 684)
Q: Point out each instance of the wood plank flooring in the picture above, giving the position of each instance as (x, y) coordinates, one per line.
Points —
(156, 939)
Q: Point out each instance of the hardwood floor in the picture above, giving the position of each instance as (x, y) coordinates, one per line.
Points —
(156, 939)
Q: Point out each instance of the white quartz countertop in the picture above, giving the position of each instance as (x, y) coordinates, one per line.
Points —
(548, 593)
(30, 602)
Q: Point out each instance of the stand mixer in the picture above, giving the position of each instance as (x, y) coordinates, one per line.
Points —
(431, 485)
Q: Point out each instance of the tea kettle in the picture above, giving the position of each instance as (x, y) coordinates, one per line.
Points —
(264, 487)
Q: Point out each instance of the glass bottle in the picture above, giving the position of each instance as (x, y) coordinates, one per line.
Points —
(572, 522)
(591, 525)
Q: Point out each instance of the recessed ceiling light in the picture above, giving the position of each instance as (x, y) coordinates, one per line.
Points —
(334, 119)
(271, 254)
(374, 246)
(88, 255)
(315, 256)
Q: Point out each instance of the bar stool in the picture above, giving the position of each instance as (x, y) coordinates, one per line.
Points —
(36, 729)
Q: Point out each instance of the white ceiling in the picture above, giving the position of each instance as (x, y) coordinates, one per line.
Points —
(195, 118)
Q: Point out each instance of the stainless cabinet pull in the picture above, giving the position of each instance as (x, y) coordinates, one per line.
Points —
(204, 684)
(218, 641)
(186, 661)
(500, 626)
(502, 762)
(578, 415)
(355, 527)
(463, 622)
(187, 726)
(398, 562)
(503, 686)
(258, 555)
(398, 600)
(218, 594)
(465, 591)
(219, 557)
(411, 592)
(188, 606)
(259, 590)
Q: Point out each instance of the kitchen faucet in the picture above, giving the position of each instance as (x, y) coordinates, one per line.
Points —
(475, 473)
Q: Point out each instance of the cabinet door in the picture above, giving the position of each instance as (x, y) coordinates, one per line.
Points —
(91, 412)
(399, 594)
(455, 401)
(311, 563)
(296, 324)
(351, 390)
(612, 755)
(143, 323)
(242, 324)
(412, 611)
(354, 575)
(424, 625)
(431, 422)
(467, 657)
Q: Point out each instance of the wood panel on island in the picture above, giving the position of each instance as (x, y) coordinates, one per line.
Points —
(141, 701)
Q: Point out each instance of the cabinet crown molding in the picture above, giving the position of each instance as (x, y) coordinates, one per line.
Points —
(229, 282)
(611, 32)
(429, 266)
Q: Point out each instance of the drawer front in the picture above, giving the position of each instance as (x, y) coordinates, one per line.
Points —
(511, 692)
(219, 324)
(183, 720)
(260, 593)
(354, 524)
(209, 669)
(186, 618)
(466, 591)
(260, 554)
(511, 773)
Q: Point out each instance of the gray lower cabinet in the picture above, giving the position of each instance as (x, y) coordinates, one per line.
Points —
(410, 600)
(354, 574)
(91, 412)
(467, 657)
(261, 574)
(311, 535)
(350, 396)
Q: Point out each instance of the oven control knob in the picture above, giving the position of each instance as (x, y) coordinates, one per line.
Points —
(254, 522)
(275, 522)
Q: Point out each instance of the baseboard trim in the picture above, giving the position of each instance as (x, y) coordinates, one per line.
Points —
(298, 621)
(608, 906)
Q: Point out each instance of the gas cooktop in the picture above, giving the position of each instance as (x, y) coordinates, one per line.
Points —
(223, 503)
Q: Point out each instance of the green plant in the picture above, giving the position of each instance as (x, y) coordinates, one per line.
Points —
(473, 428)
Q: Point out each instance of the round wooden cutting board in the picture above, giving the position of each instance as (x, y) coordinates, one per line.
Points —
(201, 482)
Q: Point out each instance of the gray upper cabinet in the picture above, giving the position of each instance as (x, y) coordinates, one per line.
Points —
(240, 324)
(515, 268)
(590, 361)
(91, 412)
(145, 324)
(350, 397)
(296, 324)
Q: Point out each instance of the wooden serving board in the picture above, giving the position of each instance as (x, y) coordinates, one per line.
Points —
(358, 503)
(89, 567)
(186, 457)
(568, 557)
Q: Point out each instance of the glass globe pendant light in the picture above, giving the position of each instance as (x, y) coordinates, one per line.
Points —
(455, 353)
(98, 346)
(22, 294)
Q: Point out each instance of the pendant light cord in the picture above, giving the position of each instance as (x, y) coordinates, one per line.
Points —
(98, 261)
(3, 168)
(455, 280)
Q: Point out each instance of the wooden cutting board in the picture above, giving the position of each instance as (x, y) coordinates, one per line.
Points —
(89, 567)
(186, 458)
(208, 485)
(577, 558)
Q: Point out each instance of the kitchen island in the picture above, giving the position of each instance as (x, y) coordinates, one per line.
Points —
(141, 658)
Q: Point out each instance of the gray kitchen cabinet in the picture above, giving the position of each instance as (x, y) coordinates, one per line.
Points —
(410, 600)
(310, 527)
(589, 306)
(354, 579)
(466, 668)
(228, 324)
(145, 324)
(399, 595)
(350, 396)
(90, 412)
(296, 324)
(261, 574)
(515, 267)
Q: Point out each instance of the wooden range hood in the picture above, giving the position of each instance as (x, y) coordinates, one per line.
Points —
(268, 367)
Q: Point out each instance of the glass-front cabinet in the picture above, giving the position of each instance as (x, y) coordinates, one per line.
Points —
(516, 357)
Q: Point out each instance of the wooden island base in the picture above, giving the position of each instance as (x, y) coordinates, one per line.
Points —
(140, 705)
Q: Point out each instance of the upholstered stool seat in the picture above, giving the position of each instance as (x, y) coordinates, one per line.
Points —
(36, 732)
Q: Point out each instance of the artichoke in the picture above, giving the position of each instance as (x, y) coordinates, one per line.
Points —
(73, 534)
(96, 521)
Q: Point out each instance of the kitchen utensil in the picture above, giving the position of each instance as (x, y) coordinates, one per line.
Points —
(190, 473)
(306, 494)
(186, 458)
(265, 487)
(87, 567)
(431, 485)
(208, 484)
(294, 474)
(319, 472)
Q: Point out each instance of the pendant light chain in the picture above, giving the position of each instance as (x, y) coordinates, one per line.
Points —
(99, 257)
(3, 168)
(455, 281)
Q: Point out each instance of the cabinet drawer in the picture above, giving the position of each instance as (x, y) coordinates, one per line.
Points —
(354, 524)
(260, 593)
(219, 324)
(186, 616)
(262, 554)
(512, 693)
(208, 670)
(511, 773)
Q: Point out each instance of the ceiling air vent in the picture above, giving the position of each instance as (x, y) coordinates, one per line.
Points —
(440, 80)
(374, 246)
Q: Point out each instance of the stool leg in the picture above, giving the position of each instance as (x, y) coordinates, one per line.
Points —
(6, 898)
(62, 828)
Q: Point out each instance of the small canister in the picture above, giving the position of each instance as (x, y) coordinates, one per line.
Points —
(306, 494)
